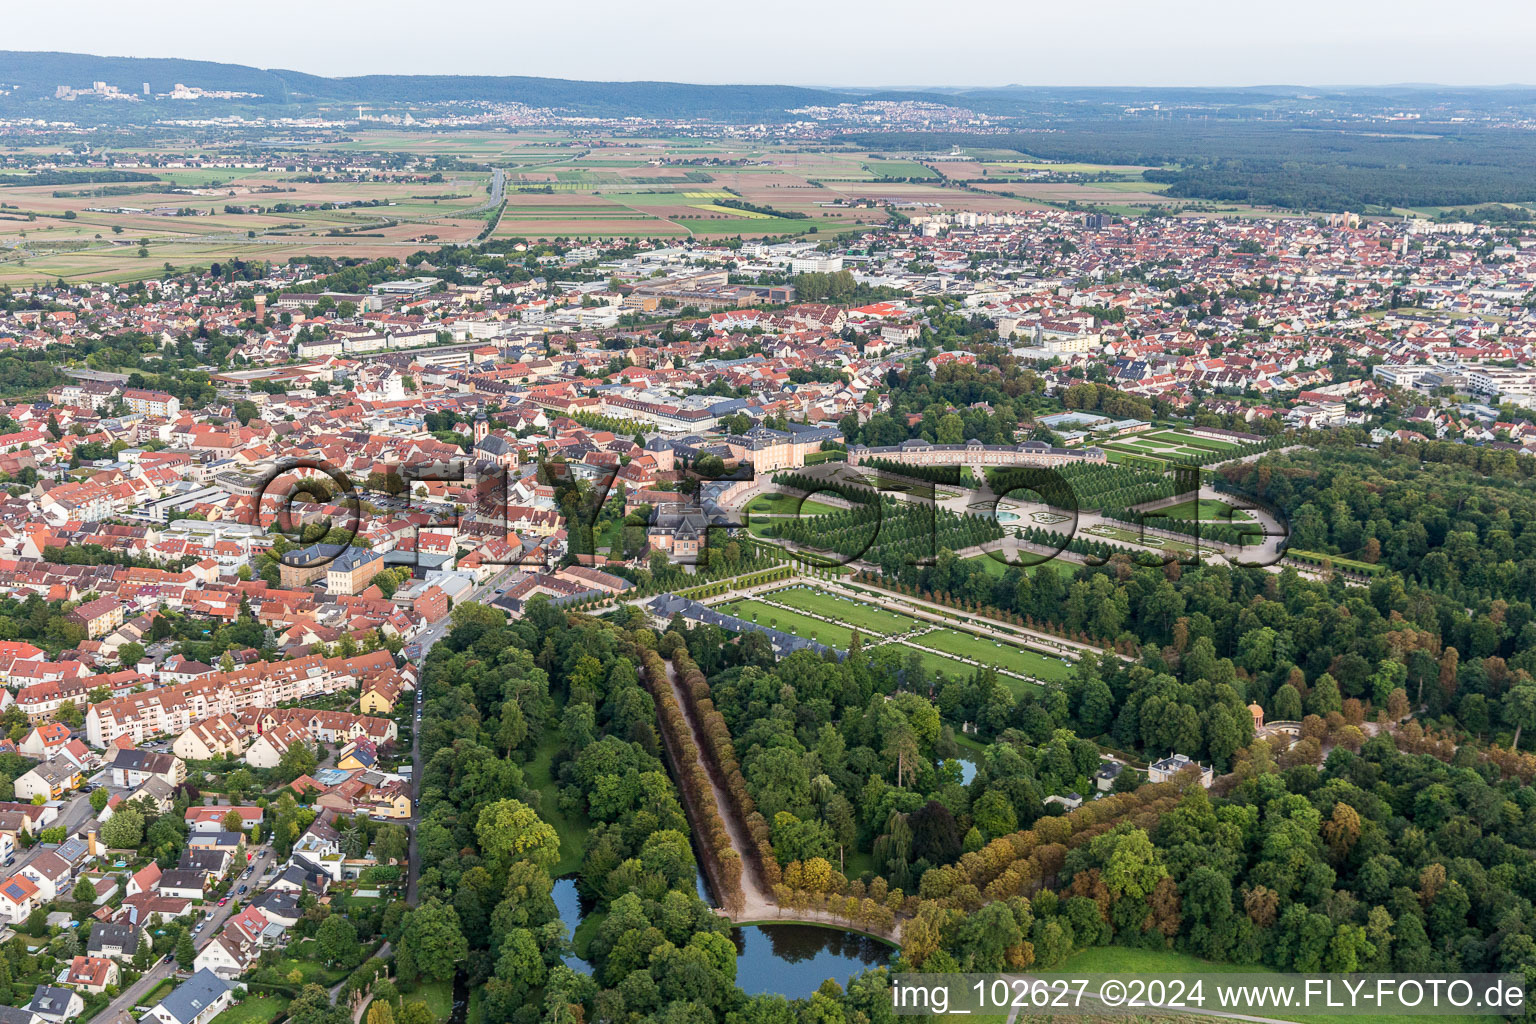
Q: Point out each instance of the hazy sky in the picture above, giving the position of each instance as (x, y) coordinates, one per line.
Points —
(822, 42)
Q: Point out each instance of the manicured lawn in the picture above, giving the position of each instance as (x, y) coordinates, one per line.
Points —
(573, 833)
(1015, 659)
(787, 505)
(159, 992)
(1168, 963)
(252, 1010)
(438, 995)
(864, 617)
(1339, 561)
(308, 964)
(996, 567)
(935, 663)
(1190, 440)
(790, 622)
(1122, 960)
(1205, 508)
(586, 931)
(1129, 536)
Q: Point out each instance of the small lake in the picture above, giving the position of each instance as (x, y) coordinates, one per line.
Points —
(967, 769)
(572, 909)
(789, 959)
(794, 959)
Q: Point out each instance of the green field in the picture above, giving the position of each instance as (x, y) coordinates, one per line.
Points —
(438, 995)
(573, 834)
(1205, 509)
(1180, 437)
(988, 652)
(1168, 963)
(996, 567)
(788, 504)
(1339, 561)
(863, 617)
(253, 1010)
(936, 664)
(789, 622)
(899, 169)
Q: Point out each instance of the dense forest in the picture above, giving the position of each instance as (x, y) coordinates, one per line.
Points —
(496, 695)
(1295, 164)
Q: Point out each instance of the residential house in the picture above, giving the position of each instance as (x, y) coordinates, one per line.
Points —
(91, 974)
(211, 819)
(115, 941)
(132, 768)
(18, 898)
(197, 1000)
(45, 741)
(99, 617)
(145, 881)
(56, 1005)
(184, 883)
(49, 780)
(52, 875)
(1169, 768)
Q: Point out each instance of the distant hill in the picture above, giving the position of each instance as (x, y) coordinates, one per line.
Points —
(38, 74)
(35, 76)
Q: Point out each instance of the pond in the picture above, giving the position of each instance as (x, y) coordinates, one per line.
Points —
(572, 909)
(967, 769)
(794, 959)
(789, 959)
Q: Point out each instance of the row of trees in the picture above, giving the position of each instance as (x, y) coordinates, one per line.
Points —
(722, 754)
(693, 780)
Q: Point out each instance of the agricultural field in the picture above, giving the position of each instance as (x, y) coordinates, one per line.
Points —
(94, 232)
(557, 185)
(899, 169)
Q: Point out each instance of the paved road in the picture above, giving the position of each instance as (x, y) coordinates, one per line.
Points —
(498, 192)
(138, 990)
(167, 966)
(485, 592)
(264, 858)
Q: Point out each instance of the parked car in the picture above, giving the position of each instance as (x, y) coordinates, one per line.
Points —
(241, 891)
